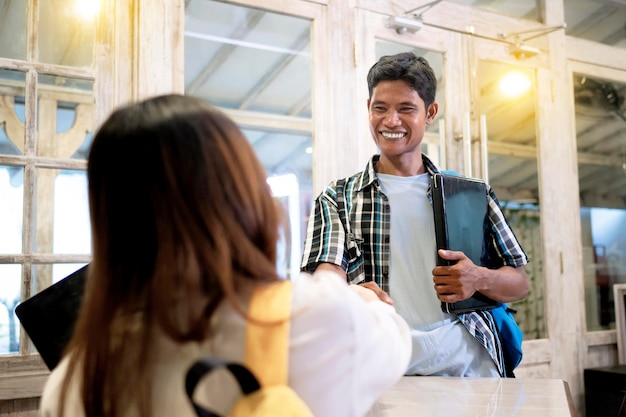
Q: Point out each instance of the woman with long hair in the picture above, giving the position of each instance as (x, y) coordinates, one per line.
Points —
(184, 227)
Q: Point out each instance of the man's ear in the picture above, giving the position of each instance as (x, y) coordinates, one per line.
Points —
(369, 100)
(432, 112)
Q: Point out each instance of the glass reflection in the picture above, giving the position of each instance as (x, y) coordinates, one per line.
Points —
(512, 167)
(290, 178)
(62, 212)
(66, 32)
(12, 133)
(10, 293)
(257, 65)
(247, 59)
(598, 21)
(13, 29)
(601, 144)
(12, 192)
(65, 109)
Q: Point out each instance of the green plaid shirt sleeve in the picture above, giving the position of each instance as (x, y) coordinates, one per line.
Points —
(325, 239)
(502, 238)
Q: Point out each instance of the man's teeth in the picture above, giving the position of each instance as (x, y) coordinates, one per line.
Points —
(390, 135)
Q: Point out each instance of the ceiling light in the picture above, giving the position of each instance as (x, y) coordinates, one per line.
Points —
(409, 24)
(514, 83)
(87, 9)
(404, 24)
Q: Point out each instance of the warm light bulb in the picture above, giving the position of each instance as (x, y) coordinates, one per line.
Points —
(86, 9)
(514, 84)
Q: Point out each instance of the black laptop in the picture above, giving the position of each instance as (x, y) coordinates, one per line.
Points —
(49, 316)
(460, 211)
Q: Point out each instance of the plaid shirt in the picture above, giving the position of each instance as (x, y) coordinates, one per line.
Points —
(361, 246)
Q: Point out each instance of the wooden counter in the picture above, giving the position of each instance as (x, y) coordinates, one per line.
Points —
(460, 397)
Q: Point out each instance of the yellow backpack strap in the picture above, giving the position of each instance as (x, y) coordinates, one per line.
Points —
(267, 343)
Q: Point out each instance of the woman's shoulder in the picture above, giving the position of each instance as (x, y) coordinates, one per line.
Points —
(53, 390)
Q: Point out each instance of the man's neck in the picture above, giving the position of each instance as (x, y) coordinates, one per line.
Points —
(401, 167)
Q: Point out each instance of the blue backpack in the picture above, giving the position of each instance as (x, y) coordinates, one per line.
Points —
(510, 336)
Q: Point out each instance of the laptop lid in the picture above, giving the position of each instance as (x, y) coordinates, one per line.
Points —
(460, 208)
(49, 316)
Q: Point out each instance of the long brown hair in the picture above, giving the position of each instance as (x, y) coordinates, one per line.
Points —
(181, 216)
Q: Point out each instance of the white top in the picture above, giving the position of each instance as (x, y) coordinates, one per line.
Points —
(441, 344)
(343, 354)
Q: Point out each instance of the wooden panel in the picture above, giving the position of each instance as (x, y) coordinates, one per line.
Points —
(22, 385)
(159, 44)
(602, 355)
(604, 337)
(28, 407)
(308, 8)
(536, 351)
(541, 370)
(557, 164)
(603, 55)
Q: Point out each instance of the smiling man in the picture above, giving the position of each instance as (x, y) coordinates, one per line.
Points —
(376, 229)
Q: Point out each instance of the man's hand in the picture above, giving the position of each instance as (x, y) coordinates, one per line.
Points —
(461, 280)
(382, 296)
(372, 286)
(364, 292)
(458, 281)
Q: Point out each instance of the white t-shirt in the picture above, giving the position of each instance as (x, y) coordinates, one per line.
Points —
(441, 344)
(344, 352)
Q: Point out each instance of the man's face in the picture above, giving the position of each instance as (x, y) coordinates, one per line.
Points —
(398, 118)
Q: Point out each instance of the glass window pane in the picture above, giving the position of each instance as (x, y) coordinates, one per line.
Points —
(62, 212)
(12, 132)
(257, 64)
(523, 9)
(66, 32)
(247, 59)
(525, 218)
(12, 192)
(10, 293)
(598, 21)
(506, 98)
(289, 176)
(601, 144)
(65, 110)
(13, 29)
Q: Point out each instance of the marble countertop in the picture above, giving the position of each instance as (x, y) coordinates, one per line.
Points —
(465, 397)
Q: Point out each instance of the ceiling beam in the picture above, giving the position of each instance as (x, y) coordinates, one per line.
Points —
(268, 121)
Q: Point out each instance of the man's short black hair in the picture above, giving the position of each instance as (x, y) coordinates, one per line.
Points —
(405, 66)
